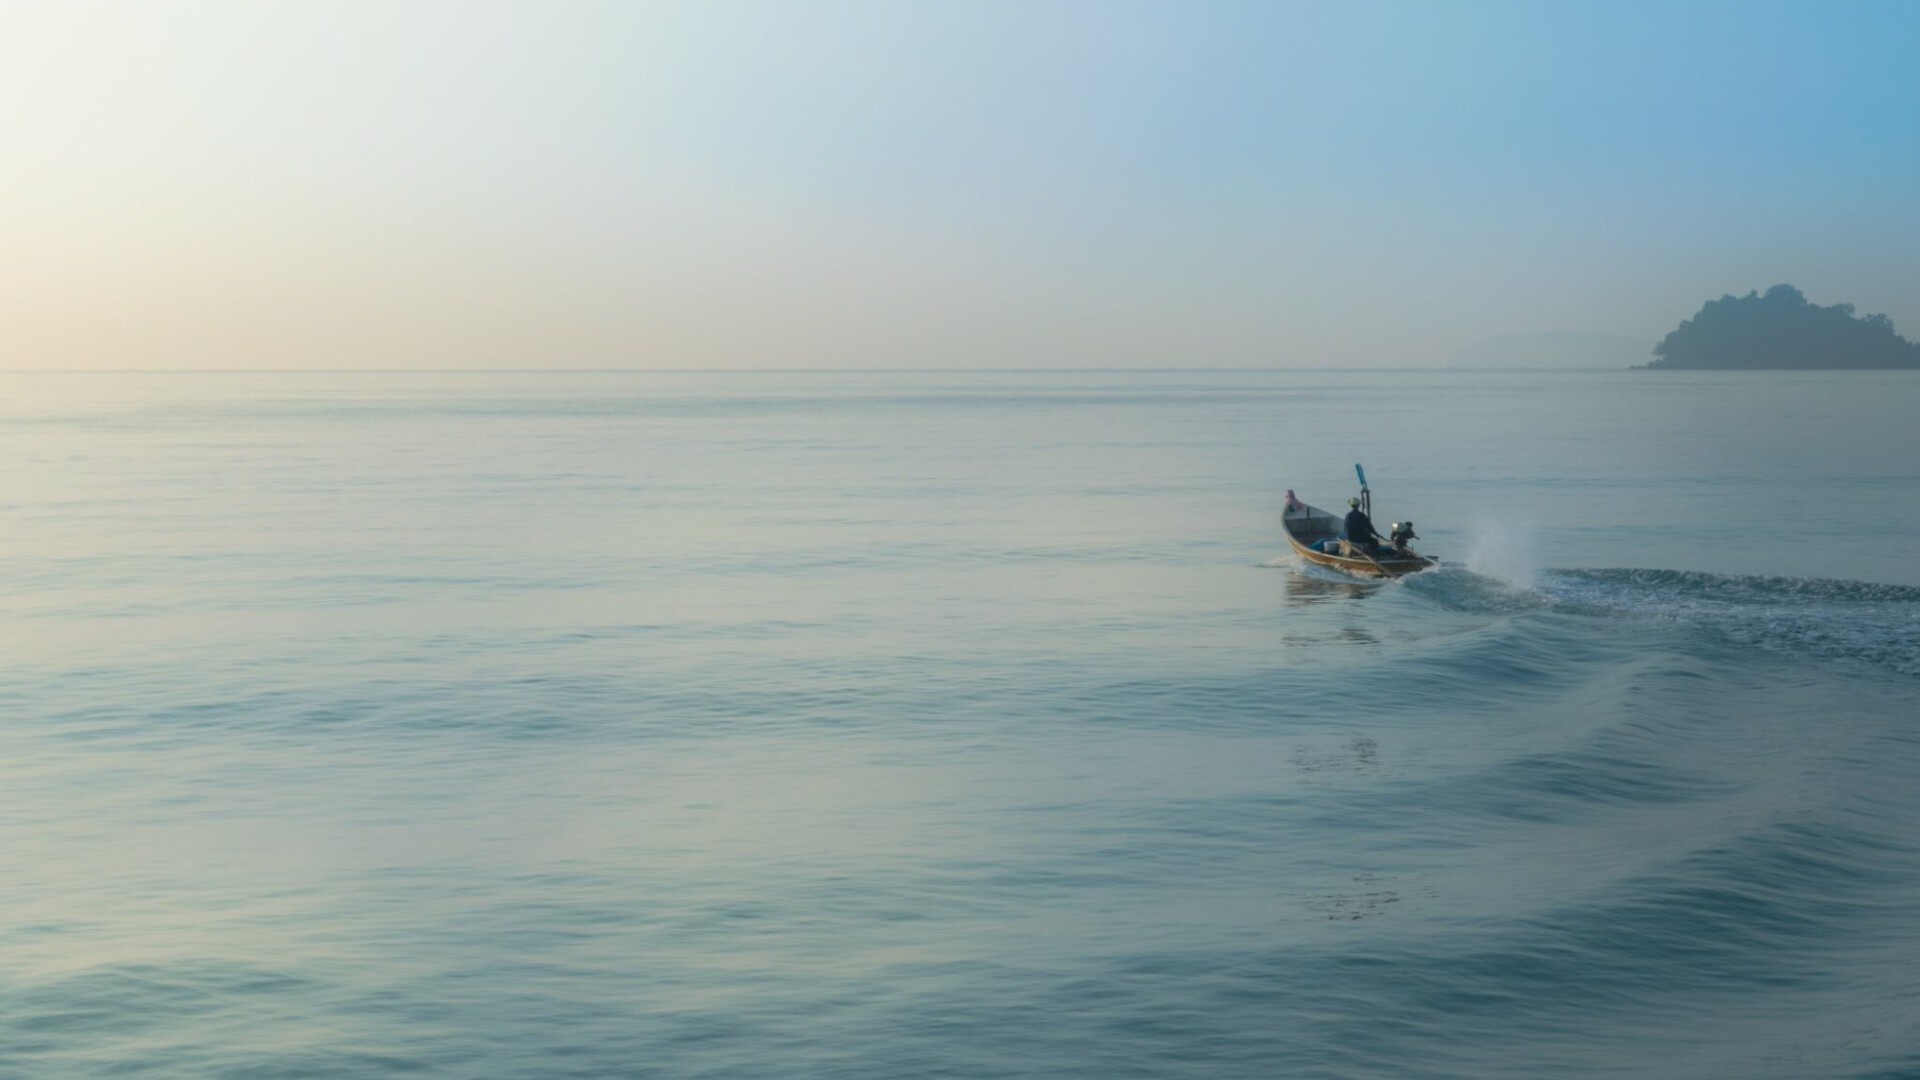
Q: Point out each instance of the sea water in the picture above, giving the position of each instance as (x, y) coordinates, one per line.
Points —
(890, 725)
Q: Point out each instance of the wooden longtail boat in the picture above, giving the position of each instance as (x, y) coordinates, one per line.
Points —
(1316, 537)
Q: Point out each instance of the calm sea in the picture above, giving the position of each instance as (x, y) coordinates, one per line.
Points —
(957, 725)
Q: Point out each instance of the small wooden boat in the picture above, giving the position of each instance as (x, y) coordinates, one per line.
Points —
(1316, 537)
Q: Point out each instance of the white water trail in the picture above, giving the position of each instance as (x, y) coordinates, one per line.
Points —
(1503, 551)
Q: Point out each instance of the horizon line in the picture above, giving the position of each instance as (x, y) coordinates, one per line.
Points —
(765, 370)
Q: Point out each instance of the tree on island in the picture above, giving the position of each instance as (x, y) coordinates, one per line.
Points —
(1782, 330)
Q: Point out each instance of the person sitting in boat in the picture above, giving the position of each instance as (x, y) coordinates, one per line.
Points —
(1360, 530)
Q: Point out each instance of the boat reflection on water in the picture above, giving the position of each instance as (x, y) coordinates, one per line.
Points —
(1304, 587)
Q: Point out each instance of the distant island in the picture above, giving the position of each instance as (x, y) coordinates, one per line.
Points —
(1781, 330)
(1552, 349)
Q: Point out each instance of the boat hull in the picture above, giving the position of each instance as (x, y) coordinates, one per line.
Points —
(1386, 566)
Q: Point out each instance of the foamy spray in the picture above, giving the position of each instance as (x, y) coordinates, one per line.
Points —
(1504, 552)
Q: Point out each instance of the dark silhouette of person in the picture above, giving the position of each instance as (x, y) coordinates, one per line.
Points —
(1360, 530)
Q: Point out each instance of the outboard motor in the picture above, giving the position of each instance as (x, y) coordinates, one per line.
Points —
(1401, 533)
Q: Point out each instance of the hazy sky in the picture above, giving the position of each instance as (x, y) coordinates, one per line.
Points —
(1027, 184)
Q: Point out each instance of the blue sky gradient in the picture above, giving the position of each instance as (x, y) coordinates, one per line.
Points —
(222, 184)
